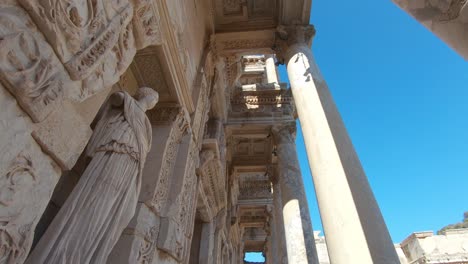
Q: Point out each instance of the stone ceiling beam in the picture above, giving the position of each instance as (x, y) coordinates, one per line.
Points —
(295, 12)
(246, 42)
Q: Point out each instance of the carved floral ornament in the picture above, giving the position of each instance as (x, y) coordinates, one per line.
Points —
(15, 229)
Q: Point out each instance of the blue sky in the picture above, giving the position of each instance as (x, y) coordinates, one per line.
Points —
(403, 96)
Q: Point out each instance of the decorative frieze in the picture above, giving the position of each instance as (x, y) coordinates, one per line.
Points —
(255, 190)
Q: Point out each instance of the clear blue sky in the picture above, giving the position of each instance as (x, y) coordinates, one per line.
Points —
(403, 95)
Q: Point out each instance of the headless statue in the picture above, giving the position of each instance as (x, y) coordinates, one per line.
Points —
(103, 202)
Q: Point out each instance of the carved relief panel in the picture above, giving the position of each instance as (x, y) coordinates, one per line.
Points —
(29, 67)
(81, 32)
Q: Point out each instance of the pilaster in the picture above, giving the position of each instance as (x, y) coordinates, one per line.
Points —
(139, 240)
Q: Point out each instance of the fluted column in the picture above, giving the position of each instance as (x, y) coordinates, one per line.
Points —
(300, 243)
(354, 228)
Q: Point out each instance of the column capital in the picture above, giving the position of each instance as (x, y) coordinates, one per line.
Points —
(288, 36)
(284, 133)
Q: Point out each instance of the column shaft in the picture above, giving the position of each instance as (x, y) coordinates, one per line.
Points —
(207, 243)
(354, 227)
(300, 243)
(270, 66)
(280, 240)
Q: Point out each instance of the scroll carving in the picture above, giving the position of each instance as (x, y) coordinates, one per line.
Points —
(16, 227)
(145, 254)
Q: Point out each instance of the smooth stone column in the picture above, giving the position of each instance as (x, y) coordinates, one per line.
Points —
(300, 242)
(354, 228)
(270, 66)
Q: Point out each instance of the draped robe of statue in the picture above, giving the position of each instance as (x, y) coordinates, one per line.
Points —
(104, 200)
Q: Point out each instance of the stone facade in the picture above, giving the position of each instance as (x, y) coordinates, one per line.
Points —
(220, 175)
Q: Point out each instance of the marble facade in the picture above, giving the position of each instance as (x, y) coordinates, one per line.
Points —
(221, 176)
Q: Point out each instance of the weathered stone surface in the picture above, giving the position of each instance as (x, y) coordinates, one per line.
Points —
(29, 67)
(27, 179)
(54, 134)
(425, 247)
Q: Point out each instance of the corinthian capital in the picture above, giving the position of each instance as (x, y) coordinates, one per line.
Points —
(284, 133)
(296, 34)
(292, 35)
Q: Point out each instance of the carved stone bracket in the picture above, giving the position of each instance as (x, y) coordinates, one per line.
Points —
(203, 205)
(212, 177)
(169, 115)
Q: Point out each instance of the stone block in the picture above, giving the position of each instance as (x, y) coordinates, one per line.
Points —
(63, 135)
